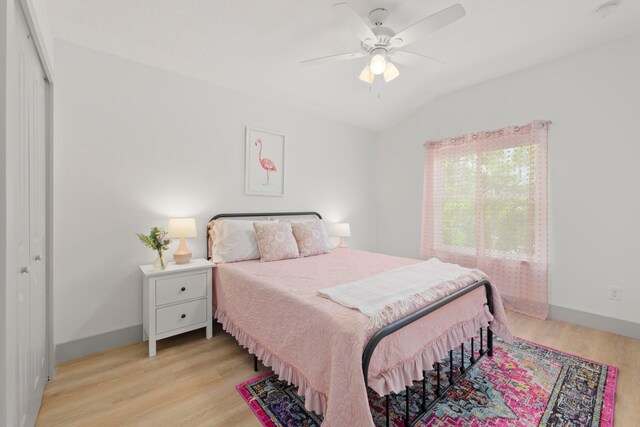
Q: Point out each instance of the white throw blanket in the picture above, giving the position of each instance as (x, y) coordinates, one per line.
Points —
(393, 294)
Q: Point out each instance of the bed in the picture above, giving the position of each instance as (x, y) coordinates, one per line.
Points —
(329, 351)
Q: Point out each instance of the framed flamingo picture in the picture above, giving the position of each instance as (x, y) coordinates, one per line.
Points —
(264, 168)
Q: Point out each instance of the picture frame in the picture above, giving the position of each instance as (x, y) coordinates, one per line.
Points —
(264, 163)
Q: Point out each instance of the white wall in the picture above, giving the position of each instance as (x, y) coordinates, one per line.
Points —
(136, 145)
(593, 98)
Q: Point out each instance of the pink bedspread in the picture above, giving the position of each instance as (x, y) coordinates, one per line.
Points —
(274, 311)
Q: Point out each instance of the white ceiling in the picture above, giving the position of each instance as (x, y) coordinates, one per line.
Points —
(255, 45)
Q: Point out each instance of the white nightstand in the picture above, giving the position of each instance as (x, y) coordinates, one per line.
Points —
(176, 300)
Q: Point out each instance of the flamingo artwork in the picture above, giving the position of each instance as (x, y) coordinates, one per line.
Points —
(266, 164)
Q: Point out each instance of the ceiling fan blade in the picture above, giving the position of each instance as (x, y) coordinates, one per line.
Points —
(355, 22)
(410, 58)
(333, 58)
(428, 25)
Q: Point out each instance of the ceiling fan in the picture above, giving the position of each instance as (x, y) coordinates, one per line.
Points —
(382, 43)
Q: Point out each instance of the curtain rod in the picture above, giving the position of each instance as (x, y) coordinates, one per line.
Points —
(474, 135)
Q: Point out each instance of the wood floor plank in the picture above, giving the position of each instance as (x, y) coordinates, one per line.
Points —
(191, 380)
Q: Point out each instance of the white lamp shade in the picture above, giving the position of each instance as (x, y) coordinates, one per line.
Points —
(182, 227)
(341, 229)
(366, 75)
(390, 72)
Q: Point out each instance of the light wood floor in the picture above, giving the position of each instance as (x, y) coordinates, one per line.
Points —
(191, 380)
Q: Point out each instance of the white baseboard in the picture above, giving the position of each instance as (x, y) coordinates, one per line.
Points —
(595, 321)
(96, 343)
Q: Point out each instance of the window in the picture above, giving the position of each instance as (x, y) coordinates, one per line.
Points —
(485, 206)
(497, 187)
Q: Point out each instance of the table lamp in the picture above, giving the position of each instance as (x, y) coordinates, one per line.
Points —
(182, 228)
(341, 230)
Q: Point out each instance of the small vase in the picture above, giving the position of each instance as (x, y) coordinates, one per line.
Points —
(160, 263)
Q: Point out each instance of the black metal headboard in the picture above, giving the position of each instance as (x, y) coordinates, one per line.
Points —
(259, 214)
(256, 215)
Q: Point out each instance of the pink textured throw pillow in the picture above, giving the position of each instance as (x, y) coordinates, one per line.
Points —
(311, 238)
(275, 241)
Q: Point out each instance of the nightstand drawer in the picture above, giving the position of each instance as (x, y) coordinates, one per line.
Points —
(181, 288)
(180, 315)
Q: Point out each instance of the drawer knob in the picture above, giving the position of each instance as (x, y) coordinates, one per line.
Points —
(183, 289)
(183, 316)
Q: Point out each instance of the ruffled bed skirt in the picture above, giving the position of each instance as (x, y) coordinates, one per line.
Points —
(394, 380)
(313, 399)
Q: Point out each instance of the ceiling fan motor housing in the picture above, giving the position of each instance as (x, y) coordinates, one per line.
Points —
(378, 16)
(383, 34)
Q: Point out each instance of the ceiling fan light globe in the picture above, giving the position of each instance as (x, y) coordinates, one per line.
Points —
(378, 64)
(390, 72)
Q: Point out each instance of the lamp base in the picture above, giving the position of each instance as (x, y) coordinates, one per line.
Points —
(182, 255)
(341, 243)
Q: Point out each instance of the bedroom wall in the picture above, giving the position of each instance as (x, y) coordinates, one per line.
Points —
(136, 145)
(593, 98)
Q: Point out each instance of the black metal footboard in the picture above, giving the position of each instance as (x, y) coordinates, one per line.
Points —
(453, 378)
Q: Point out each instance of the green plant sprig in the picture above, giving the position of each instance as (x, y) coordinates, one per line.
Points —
(155, 240)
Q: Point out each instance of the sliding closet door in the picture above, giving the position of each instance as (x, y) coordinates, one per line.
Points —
(29, 202)
(37, 234)
(21, 221)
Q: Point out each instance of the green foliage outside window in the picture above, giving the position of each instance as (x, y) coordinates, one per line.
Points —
(498, 187)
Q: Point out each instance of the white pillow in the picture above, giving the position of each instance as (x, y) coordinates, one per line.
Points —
(235, 240)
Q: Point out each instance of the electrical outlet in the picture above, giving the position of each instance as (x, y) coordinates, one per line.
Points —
(615, 293)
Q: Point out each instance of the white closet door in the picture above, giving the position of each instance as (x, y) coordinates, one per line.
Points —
(37, 232)
(30, 228)
(21, 204)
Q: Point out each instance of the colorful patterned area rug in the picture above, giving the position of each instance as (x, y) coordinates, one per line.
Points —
(523, 385)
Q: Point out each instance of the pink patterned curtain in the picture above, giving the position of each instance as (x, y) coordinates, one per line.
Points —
(485, 207)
